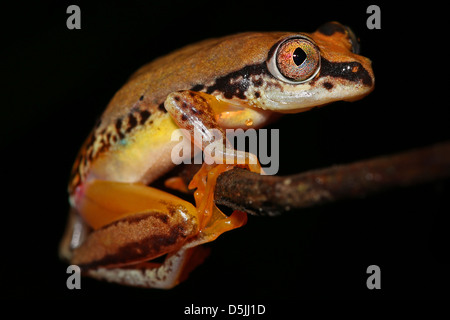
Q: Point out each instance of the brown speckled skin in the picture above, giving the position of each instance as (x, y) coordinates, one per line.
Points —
(132, 240)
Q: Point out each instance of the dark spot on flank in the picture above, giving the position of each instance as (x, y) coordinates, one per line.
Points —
(141, 98)
(184, 117)
(118, 124)
(119, 128)
(177, 98)
(330, 28)
(328, 85)
(144, 116)
(104, 147)
(257, 94)
(132, 122)
(162, 108)
(184, 105)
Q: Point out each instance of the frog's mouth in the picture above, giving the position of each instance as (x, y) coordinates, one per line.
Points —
(322, 93)
(343, 81)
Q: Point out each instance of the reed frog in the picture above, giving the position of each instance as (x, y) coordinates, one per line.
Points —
(118, 223)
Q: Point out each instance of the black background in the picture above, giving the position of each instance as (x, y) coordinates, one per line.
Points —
(57, 81)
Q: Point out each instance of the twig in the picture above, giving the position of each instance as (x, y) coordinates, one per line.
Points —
(271, 195)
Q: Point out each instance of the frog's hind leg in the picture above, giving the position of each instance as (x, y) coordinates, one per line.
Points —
(131, 225)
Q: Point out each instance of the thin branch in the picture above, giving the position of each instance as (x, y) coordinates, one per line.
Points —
(271, 195)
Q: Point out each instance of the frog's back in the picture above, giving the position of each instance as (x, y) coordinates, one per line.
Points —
(137, 112)
(193, 66)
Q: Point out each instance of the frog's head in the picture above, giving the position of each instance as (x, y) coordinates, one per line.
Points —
(309, 70)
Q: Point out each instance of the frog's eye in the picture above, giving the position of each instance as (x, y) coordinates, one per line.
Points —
(295, 60)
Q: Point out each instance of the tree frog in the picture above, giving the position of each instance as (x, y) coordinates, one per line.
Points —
(123, 230)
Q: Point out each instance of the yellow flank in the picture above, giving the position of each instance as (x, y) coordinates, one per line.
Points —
(157, 134)
(141, 156)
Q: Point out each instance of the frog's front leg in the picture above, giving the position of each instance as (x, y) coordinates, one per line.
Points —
(204, 117)
(200, 114)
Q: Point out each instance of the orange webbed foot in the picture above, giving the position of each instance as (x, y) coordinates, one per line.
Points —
(213, 222)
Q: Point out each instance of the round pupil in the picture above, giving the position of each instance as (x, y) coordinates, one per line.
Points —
(299, 56)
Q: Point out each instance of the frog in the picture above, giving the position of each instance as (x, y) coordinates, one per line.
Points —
(124, 230)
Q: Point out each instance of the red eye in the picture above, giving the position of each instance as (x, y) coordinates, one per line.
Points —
(297, 60)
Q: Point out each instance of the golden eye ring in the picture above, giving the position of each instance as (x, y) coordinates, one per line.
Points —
(295, 60)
